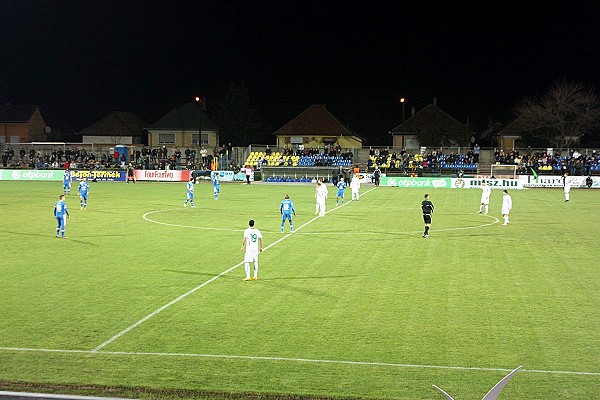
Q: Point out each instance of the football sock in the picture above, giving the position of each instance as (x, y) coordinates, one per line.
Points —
(255, 269)
(427, 230)
(247, 267)
(291, 227)
(486, 209)
(480, 208)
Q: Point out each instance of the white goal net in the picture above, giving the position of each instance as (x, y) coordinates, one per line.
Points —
(503, 171)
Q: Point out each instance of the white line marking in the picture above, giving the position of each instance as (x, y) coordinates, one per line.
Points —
(291, 359)
(496, 220)
(186, 294)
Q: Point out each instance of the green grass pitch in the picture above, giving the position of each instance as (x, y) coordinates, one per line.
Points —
(143, 294)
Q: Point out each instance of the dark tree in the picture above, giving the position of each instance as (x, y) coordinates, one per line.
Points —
(563, 115)
(238, 123)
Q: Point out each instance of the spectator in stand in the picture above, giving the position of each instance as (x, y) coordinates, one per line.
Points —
(229, 150)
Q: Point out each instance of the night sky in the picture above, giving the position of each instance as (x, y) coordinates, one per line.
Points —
(79, 60)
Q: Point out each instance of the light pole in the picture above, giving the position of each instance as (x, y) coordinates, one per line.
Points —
(402, 100)
(199, 103)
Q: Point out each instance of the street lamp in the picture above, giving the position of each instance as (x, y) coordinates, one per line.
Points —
(199, 103)
(402, 100)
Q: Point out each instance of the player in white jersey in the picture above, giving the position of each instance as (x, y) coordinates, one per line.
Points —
(253, 245)
(485, 197)
(355, 186)
(567, 185)
(506, 206)
(321, 196)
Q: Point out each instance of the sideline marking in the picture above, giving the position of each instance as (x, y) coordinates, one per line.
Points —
(186, 294)
(291, 359)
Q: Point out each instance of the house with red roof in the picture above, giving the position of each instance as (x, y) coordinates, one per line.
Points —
(22, 124)
(316, 127)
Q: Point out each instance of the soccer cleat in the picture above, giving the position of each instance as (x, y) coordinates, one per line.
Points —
(185, 204)
(81, 208)
(504, 224)
(193, 207)
(65, 237)
(479, 212)
(255, 278)
(57, 236)
(247, 279)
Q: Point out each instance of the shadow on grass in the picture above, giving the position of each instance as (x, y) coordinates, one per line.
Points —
(311, 277)
(29, 234)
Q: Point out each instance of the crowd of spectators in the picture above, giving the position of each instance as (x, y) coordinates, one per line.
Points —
(326, 152)
(572, 161)
(141, 158)
(433, 161)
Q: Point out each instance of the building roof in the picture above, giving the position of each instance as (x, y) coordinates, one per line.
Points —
(315, 120)
(185, 118)
(16, 113)
(116, 123)
(514, 128)
(428, 115)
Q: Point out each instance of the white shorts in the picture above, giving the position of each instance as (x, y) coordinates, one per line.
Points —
(567, 189)
(251, 256)
(485, 200)
(505, 210)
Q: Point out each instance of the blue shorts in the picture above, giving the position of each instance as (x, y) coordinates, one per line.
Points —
(84, 196)
(287, 216)
(61, 221)
(340, 193)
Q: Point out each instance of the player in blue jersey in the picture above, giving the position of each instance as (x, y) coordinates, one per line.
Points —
(61, 213)
(341, 185)
(84, 191)
(67, 182)
(190, 193)
(287, 209)
(216, 185)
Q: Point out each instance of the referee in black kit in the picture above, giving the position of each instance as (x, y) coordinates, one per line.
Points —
(427, 207)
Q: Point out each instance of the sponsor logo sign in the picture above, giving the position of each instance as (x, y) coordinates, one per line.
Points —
(555, 181)
(416, 182)
(99, 175)
(470, 183)
(162, 175)
(31, 175)
(224, 176)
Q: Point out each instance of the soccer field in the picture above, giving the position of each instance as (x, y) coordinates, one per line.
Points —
(145, 298)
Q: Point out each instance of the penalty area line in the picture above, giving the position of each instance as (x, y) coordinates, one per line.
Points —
(293, 359)
(189, 292)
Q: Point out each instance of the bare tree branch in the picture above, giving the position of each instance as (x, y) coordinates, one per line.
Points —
(563, 115)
